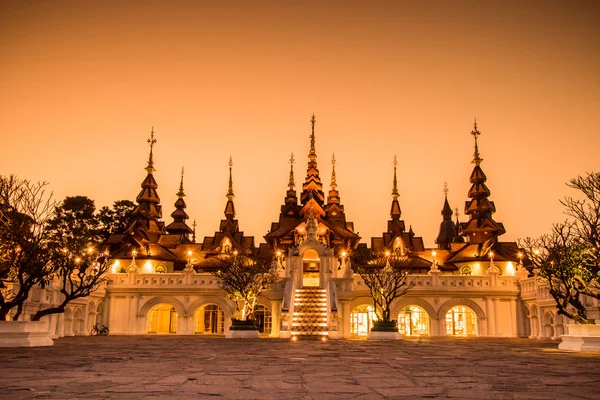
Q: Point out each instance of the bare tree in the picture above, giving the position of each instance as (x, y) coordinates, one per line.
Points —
(386, 276)
(567, 258)
(25, 209)
(558, 261)
(244, 279)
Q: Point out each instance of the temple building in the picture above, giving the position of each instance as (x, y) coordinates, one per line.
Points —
(470, 284)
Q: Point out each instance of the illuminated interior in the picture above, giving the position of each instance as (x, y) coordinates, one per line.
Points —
(413, 321)
(162, 318)
(310, 269)
(461, 321)
(362, 320)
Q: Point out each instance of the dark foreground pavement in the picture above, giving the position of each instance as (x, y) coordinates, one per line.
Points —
(180, 367)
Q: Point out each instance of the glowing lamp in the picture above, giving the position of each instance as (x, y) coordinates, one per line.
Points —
(433, 253)
(343, 254)
(189, 252)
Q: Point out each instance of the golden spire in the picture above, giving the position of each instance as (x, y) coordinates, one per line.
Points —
(194, 234)
(291, 184)
(152, 141)
(395, 193)
(180, 193)
(476, 159)
(230, 195)
(446, 190)
(312, 155)
(333, 181)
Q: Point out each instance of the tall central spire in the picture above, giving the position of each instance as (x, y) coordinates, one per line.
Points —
(292, 182)
(149, 210)
(476, 159)
(481, 226)
(312, 182)
(395, 211)
(152, 142)
(229, 208)
(312, 155)
(395, 193)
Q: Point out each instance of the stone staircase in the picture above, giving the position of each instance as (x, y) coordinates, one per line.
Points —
(310, 313)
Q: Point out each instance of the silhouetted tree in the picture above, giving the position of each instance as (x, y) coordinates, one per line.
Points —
(74, 240)
(567, 258)
(116, 219)
(244, 279)
(386, 276)
(25, 209)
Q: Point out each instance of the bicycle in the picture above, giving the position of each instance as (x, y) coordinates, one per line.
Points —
(99, 330)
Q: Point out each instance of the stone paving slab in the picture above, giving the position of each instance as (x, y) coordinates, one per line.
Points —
(200, 367)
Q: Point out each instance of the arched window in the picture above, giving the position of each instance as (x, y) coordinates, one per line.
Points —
(362, 320)
(210, 319)
(413, 321)
(162, 318)
(461, 321)
(262, 319)
(466, 270)
(160, 269)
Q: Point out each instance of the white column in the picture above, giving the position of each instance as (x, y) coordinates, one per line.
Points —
(491, 328)
(514, 332)
(496, 316)
(275, 318)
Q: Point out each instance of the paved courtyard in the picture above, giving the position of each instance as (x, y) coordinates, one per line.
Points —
(180, 367)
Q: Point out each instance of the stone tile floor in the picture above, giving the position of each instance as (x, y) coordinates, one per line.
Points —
(201, 367)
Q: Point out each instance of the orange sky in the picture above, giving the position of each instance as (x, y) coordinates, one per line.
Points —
(82, 83)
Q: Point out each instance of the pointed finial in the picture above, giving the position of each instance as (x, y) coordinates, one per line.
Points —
(333, 180)
(312, 155)
(230, 191)
(181, 193)
(292, 182)
(457, 214)
(151, 141)
(395, 193)
(446, 189)
(476, 158)
(194, 234)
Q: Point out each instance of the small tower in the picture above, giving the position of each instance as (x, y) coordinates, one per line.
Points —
(149, 211)
(333, 209)
(447, 227)
(179, 225)
(229, 224)
(395, 225)
(312, 183)
(481, 226)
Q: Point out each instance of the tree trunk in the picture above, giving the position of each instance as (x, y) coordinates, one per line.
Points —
(18, 313)
(53, 310)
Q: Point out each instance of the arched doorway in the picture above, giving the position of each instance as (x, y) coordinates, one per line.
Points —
(162, 318)
(413, 321)
(461, 321)
(209, 320)
(311, 269)
(262, 319)
(361, 320)
(548, 325)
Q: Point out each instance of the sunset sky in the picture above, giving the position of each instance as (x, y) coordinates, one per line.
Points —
(82, 84)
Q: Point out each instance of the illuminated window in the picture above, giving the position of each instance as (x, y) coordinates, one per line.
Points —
(362, 320)
(466, 270)
(461, 321)
(262, 319)
(160, 269)
(413, 321)
(162, 318)
(210, 319)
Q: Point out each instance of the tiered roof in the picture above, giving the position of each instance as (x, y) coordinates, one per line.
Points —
(334, 231)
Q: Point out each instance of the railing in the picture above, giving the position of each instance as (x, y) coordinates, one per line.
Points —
(332, 297)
